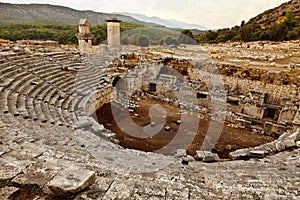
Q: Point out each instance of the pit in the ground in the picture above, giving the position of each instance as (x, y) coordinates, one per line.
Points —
(230, 139)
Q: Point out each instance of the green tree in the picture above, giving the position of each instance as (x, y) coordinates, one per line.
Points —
(143, 41)
(225, 35)
(125, 41)
(291, 21)
(210, 36)
(186, 37)
(248, 32)
(170, 41)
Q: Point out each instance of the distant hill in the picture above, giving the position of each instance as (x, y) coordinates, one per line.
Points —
(277, 24)
(23, 13)
(278, 14)
(170, 23)
(50, 22)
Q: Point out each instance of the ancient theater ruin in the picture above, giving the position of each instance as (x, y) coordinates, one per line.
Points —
(60, 137)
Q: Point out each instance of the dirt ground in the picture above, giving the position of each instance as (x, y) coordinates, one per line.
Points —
(230, 139)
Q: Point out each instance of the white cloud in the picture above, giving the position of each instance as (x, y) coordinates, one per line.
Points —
(209, 13)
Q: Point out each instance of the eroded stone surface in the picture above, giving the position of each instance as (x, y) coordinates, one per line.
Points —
(71, 180)
(197, 180)
(120, 189)
(10, 170)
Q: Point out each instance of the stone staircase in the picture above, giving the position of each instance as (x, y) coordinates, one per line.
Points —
(48, 87)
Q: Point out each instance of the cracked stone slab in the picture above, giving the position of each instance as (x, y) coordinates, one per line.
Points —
(103, 183)
(7, 192)
(11, 170)
(71, 181)
(120, 189)
(26, 152)
(38, 173)
(4, 149)
(98, 189)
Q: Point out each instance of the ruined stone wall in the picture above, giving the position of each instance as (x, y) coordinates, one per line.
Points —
(276, 91)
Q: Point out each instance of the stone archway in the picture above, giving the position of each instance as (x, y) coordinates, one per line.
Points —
(115, 81)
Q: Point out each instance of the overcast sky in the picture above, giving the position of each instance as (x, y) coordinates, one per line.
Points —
(208, 13)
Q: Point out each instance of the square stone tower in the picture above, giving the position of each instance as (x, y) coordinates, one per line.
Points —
(84, 36)
(113, 32)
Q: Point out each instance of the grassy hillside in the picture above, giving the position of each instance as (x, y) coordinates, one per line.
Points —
(277, 15)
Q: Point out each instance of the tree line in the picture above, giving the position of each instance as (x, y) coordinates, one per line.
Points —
(140, 35)
(133, 34)
(63, 33)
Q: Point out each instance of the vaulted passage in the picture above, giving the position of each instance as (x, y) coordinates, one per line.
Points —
(115, 81)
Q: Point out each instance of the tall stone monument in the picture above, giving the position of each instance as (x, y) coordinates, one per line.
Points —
(84, 36)
(113, 32)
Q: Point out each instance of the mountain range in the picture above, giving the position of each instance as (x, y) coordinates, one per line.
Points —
(19, 13)
(170, 23)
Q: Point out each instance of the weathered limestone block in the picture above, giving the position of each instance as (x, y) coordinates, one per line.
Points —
(268, 127)
(298, 144)
(270, 147)
(280, 146)
(283, 136)
(287, 115)
(71, 181)
(257, 153)
(207, 156)
(84, 122)
(295, 136)
(188, 159)
(180, 153)
(240, 154)
(278, 129)
(253, 110)
(289, 143)
(200, 155)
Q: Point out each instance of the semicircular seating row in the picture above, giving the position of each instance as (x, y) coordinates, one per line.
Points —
(49, 87)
